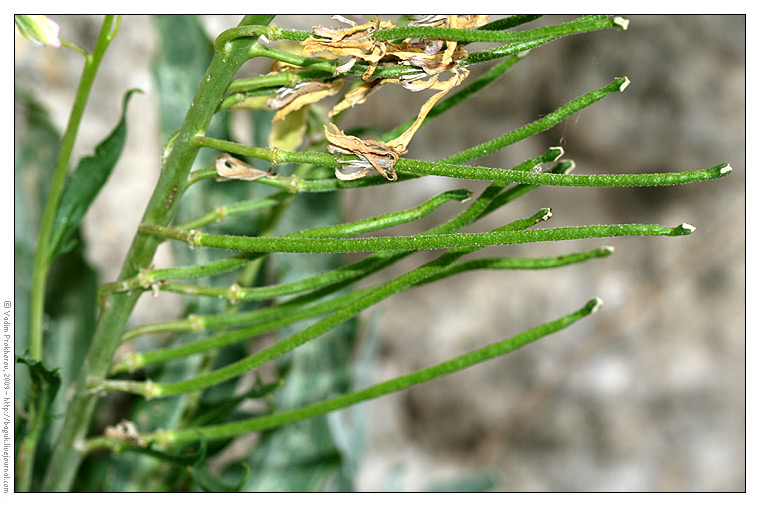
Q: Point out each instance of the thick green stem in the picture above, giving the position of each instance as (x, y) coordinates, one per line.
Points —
(172, 182)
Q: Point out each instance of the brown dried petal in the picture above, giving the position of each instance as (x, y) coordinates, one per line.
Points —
(378, 155)
(468, 21)
(356, 96)
(448, 54)
(286, 94)
(437, 20)
(416, 83)
(355, 42)
(431, 64)
(230, 168)
(336, 48)
(346, 66)
(402, 141)
(295, 98)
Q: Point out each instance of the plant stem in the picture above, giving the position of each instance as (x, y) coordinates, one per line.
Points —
(419, 242)
(377, 294)
(147, 277)
(564, 180)
(521, 263)
(172, 182)
(491, 199)
(220, 212)
(42, 258)
(285, 315)
(544, 123)
(174, 437)
(469, 35)
(454, 170)
(510, 22)
(137, 360)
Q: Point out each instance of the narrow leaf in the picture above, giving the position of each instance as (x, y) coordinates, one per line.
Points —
(85, 183)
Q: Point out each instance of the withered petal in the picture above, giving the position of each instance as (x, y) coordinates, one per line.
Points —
(306, 95)
(230, 168)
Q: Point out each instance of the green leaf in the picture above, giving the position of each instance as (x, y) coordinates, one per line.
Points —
(44, 384)
(70, 305)
(84, 184)
(36, 143)
(183, 54)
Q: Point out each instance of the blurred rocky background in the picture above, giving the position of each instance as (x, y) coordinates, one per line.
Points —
(649, 393)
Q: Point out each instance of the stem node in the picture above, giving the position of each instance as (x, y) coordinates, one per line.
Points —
(196, 322)
(235, 294)
(143, 278)
(221, 212)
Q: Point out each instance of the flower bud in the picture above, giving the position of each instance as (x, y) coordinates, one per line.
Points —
(39, 29)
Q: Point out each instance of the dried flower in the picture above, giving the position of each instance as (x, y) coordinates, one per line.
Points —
(372, 155)
(355, 42)
(433, 56)
(289, 99)
(230, 168)
(356, 96)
